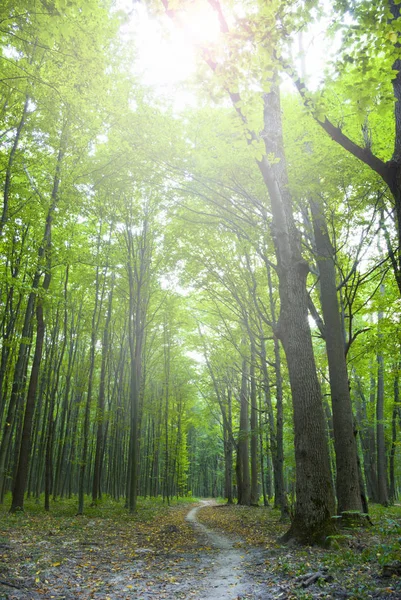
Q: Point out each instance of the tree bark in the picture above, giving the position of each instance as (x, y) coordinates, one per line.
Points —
(314, 494)
(254, 432)
(393, 450)
(101, 403)
(347, 480)
(380, 439)
(44, 256)
(244, 497)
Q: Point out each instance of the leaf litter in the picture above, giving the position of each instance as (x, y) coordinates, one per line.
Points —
(206, 552)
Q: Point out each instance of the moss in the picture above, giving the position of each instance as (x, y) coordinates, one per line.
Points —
(318, 534)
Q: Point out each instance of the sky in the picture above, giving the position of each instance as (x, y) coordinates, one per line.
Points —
(167, 51)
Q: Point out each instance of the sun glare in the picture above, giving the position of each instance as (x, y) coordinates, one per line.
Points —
(167, 51)
(199, 24)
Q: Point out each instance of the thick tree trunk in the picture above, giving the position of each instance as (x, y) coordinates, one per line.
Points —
(314, 495)
(347, 480)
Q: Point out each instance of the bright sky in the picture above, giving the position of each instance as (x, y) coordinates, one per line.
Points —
(167, 51)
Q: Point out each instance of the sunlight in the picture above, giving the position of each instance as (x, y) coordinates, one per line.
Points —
(199, 24)
(166, 50)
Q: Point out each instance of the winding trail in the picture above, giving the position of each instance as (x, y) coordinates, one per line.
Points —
(228, 580)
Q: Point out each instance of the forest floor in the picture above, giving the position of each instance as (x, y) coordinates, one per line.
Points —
(201, 551)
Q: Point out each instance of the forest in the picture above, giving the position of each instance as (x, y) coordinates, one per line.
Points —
(200, 284)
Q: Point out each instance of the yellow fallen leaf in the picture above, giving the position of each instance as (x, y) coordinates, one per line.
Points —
(56, 564)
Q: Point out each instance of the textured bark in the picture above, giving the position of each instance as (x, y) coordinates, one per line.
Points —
(314, 494)
(347, 480)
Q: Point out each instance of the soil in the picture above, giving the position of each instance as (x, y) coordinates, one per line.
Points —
(180, 559)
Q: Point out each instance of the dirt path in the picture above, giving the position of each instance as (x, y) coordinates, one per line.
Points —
(174, 556)
(228, 579)
(86, 559)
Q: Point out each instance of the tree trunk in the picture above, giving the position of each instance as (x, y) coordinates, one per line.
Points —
(280, 497)
(243, 439)
(347, 481)
(7, 181)
(314, 495)
(101, 403)
(254, 432)
(228, 452)
(367, 435)
(44, 256)
(86, 423)
(18, 381)
(380, 439)
(394, 419)
(261, 454)
(25, 448)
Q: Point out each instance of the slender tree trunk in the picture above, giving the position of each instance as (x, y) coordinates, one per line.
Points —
(367, 435)
(18, 380)
(43, 255)
(86, 424)
(9, 168)
(254, 432)
(380, 439)
(25, 448)
(243, 439)
(280, 497)
(261, 454)
(393, 450)
(228, 451)
(101, 403)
